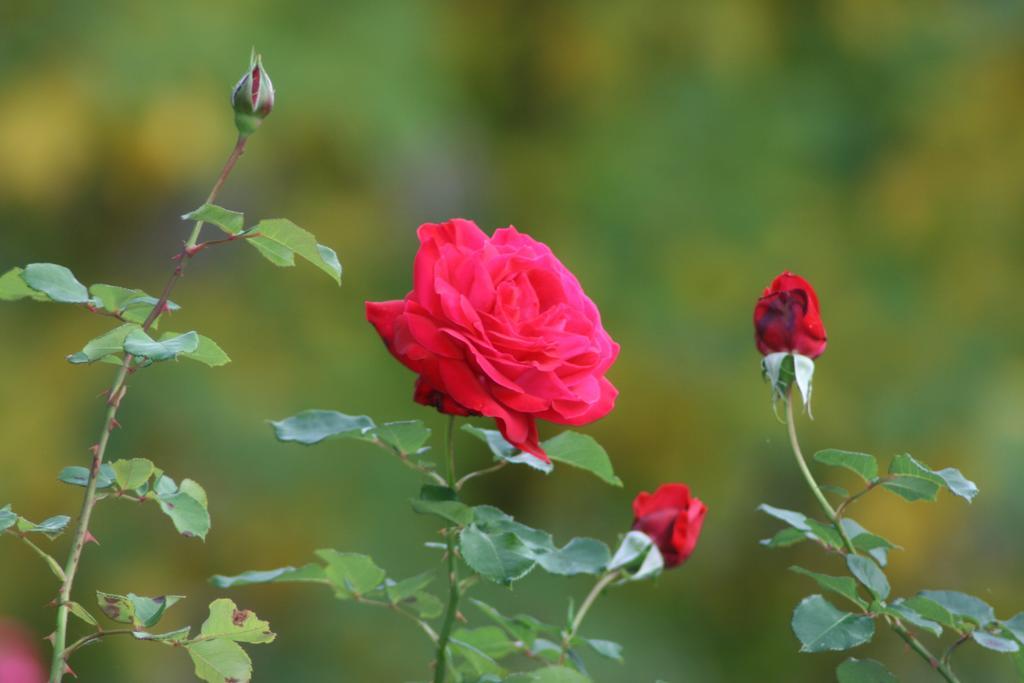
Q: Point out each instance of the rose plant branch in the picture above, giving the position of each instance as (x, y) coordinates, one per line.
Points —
(917, 646)
(215, 649)
(116, 395)
(790, 334)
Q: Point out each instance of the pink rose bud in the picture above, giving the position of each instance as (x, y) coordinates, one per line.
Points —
(253, 97)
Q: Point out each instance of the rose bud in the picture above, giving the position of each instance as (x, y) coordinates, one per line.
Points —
(787, 318)
(253, 97)
(497, 326)
(672, 519)
(790, 334)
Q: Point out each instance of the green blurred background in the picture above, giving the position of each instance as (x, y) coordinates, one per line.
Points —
(676, 156)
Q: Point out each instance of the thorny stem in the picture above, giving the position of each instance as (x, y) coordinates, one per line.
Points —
(916, 645)
(584, 608)
(441, 661)
(117, 391)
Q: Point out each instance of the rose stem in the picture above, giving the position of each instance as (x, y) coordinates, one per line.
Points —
(59, 663)
(440, 665)
(584, 608)
(901, 631)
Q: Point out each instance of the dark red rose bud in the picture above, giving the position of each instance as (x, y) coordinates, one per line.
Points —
(787, 318)
(253, 97)
(672, 519)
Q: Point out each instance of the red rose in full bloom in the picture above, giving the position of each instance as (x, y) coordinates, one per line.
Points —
(672, 519)
(787, 318)
(497, 326)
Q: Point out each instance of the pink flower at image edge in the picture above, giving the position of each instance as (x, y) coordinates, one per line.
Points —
(19, 656)
(497, 326)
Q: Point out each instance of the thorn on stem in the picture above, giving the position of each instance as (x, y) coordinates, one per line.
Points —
(69, 670)
(89, 538)
(114, 424)
(95, 449)
(50, 638)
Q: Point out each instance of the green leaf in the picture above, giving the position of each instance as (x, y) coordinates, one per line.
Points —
(230, 222)
(56, 282)
(477, 662)
(503, 450)
(284, 233)
(310, 573)
(131, 474)
(138, 343)
(963, 605)
(426, 605)
(406, 437)
(116, 607)
(864, 540)
(551, 674)
(522, 627)
(785, 538)
(868, 573)
(228, 622)
(406, 588)
(138, 610)
(440, 501)
(106, 344)
(207, 351)
(930, 610)
(819, 626)
(148, 611)
(493, 521)
(582, 451)
(842, 585)
(502, 558)
(915, 481)
(278, 254)
(863, 671)
(958, 484)
(578, 556)
(7, 517)
(1015, 624)
(13, 287)
(863, 465)
(490, 640)
(134, 305)
(79, 476)
(350, 573)
(606, 648)
(189, 515)
(797, 520)
(113, 298)
(313, 426)
(82, 613)
(993, 642)
(51, 527)
(220, 661)
(900, 610)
